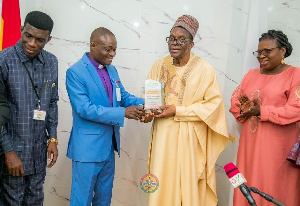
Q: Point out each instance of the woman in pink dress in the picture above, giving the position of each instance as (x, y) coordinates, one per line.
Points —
(267, 104)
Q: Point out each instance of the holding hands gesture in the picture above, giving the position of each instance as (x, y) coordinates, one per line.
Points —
(248, 107)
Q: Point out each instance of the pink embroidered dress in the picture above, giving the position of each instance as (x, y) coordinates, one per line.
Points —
(266, 141)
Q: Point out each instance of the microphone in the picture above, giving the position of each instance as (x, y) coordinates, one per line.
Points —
(238, 180)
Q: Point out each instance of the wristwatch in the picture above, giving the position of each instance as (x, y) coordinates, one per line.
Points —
(55, 140)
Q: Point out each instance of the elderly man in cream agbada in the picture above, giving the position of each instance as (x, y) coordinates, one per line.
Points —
(191, 132)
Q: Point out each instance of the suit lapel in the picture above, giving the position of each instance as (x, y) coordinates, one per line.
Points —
(96, 78)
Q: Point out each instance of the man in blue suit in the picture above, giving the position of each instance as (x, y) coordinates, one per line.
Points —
(99, 104)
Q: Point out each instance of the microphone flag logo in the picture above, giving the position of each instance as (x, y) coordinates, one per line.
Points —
(237, 180)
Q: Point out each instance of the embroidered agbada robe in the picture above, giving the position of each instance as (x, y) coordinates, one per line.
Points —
(265, 143)
(184, 148)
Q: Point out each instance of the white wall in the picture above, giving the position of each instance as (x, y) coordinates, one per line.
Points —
(224, 39)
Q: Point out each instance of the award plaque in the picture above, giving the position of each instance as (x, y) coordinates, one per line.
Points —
(154, 94)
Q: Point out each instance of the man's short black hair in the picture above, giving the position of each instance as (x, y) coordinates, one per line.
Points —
(39, 20)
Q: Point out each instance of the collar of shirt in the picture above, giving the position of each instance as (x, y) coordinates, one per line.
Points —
(96, 64)
(25, 58)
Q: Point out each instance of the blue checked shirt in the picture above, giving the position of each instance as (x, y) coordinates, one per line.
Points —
(26, 136)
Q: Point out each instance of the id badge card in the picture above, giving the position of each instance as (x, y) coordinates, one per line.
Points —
(118, 93)
(39, 115)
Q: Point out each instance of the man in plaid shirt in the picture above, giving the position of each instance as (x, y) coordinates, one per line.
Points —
(30, 76)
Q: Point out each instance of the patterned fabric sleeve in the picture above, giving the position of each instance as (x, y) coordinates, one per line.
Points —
(234, 109)
(52, 116)
(4, 108)
(5, 143)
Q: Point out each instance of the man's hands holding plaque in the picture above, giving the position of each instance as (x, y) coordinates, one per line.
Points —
(134, 112)
(138, 113)
(165, 111)
(159, 112)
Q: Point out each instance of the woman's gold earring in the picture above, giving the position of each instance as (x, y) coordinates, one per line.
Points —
(282, 60)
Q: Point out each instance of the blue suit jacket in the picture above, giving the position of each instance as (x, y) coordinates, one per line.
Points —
(95, 123)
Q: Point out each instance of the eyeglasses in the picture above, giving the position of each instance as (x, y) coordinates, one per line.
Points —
(264, 52)
(104, 48)
(181, 41)
(108, 50)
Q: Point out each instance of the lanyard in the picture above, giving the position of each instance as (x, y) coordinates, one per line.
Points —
(32, 83)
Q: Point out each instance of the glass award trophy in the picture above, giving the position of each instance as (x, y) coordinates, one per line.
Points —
(154, 95)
